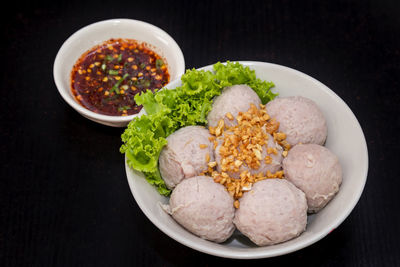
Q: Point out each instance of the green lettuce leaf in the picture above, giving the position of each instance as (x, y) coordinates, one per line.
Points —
(154, 178)
(235, 73)
(144, 138)
(149, 103)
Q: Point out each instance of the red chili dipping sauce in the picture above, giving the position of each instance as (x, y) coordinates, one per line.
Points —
(106, 78)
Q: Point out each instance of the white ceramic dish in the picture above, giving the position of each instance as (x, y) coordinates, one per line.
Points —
(98, 32)
(345, 139)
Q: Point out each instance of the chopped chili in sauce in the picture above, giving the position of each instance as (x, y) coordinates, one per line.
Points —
(106, 78)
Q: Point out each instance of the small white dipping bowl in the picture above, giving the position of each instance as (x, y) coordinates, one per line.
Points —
(94, 34)
(345, 139)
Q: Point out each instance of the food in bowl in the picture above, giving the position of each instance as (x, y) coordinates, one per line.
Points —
(248, 147)
(85, 38)
(345, 139)
(162, 126)
(316, 171)
(106, 78)
(300, 119)
(249, 152)
(274, 211)
(232, 100)
(204, 208)
(186, 154)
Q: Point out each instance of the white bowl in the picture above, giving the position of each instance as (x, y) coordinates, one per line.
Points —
(345, 139)
(96, 33)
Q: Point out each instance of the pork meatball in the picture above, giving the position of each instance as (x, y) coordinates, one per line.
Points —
(274, 211)
(299, 118)
(204, 208)
(186, 154)
(233, 99)
(273, 166)
(316, 171)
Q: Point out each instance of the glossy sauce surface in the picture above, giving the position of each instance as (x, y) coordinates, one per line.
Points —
(106, 78)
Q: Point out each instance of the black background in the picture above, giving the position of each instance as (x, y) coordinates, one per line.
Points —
(64, 197)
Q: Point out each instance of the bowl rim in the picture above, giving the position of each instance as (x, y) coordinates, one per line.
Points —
(257, 254)
(57, 76)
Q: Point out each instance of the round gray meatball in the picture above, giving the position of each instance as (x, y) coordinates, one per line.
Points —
(232, 100)
(299, 118)
(273, 166)
(204, 208)
(316, 171)
(186, 154)
(274, 211)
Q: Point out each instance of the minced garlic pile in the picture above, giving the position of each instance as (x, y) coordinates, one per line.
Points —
(242, 144)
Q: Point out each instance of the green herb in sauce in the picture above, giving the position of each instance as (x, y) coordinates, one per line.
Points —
(159, 63)
(117, 84)
(124, 108)
(113, 72)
